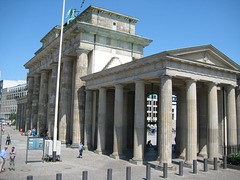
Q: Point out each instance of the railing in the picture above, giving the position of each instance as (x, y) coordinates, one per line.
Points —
(231, 149)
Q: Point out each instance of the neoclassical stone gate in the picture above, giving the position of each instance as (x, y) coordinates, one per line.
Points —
(205, 82)
(96, 39)
(105, 82)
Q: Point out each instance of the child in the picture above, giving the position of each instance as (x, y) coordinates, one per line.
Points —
(80, 148)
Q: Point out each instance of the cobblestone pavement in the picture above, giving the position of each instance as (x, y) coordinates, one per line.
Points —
(72, 167)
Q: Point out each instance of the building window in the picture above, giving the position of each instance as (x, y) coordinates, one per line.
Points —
(114, 27)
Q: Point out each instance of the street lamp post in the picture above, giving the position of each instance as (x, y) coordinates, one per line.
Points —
(57, 89)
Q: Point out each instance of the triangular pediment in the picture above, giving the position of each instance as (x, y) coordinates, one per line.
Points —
(114, 61)
(205, 54)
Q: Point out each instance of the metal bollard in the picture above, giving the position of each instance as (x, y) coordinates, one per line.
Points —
(194, 166)
(215, 164)
(148, 172)
(224, 162)
(164, 170)
(59, 176)
(84, 175)
(128, 174)
(180, 168)
(109, 174)
(29, 177)
(205, 165)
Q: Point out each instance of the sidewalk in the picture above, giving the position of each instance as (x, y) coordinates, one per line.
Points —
(72, 167)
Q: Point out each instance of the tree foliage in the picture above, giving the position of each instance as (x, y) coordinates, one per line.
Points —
(12, 117)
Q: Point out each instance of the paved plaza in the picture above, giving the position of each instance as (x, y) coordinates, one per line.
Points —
(72, 167)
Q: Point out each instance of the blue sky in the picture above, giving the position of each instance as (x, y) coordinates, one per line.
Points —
(171, 24)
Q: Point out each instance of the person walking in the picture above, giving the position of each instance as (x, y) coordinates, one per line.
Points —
(8, 140)
(3, 158)
(12, 154)
(80, 148)
(33, 132)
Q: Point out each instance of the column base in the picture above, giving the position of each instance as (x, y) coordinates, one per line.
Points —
(63, 141)
(211, 160)
(117, 156)
(136, 162)
(188, 164)
(75, 145)
(87, 148)
(98, 152)
(170, 167)
(204, 155)
(182, 155)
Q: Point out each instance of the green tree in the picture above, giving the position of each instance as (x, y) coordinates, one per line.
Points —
(12, 117)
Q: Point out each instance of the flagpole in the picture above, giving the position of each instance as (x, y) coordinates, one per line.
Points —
(57, 89)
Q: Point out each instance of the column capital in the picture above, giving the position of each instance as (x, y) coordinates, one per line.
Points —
(80, 51)
(139, 81)
(101, 87)
(212, 84)
(30, 77)
(67, 58)
(89, 90)
(118, 85)
(43, 71)
(54, 64)
(166, 76)
(191, 80)
(36, 75)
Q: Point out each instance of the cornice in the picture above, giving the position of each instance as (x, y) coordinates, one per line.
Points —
(161, 64)
(111, 13)
(87, 27)
(208, 47)
(54, 30)
(197, 63)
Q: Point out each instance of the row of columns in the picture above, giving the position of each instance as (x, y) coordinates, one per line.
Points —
(21, 115)
(75, 110)
(187, 110)
(41, 99)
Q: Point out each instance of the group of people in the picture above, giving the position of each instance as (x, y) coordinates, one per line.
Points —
(28, 132)
(3, 157)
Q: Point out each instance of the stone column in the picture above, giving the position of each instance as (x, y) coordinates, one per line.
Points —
(231, 117)
(52, 98)
(139, 123)
(159, 121)
(88, 120)
(118, 122)
(43, 99)
(191, 131)
(79, 97)
(101, 136)
(212, 121)
(19, 118)
(125, 120)
(29, 103)
(24, 107)
(65, 101)
(165, 128)
(238, 115)
(181, 122)
(35, 102)
(203, 122)
(94, 116)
